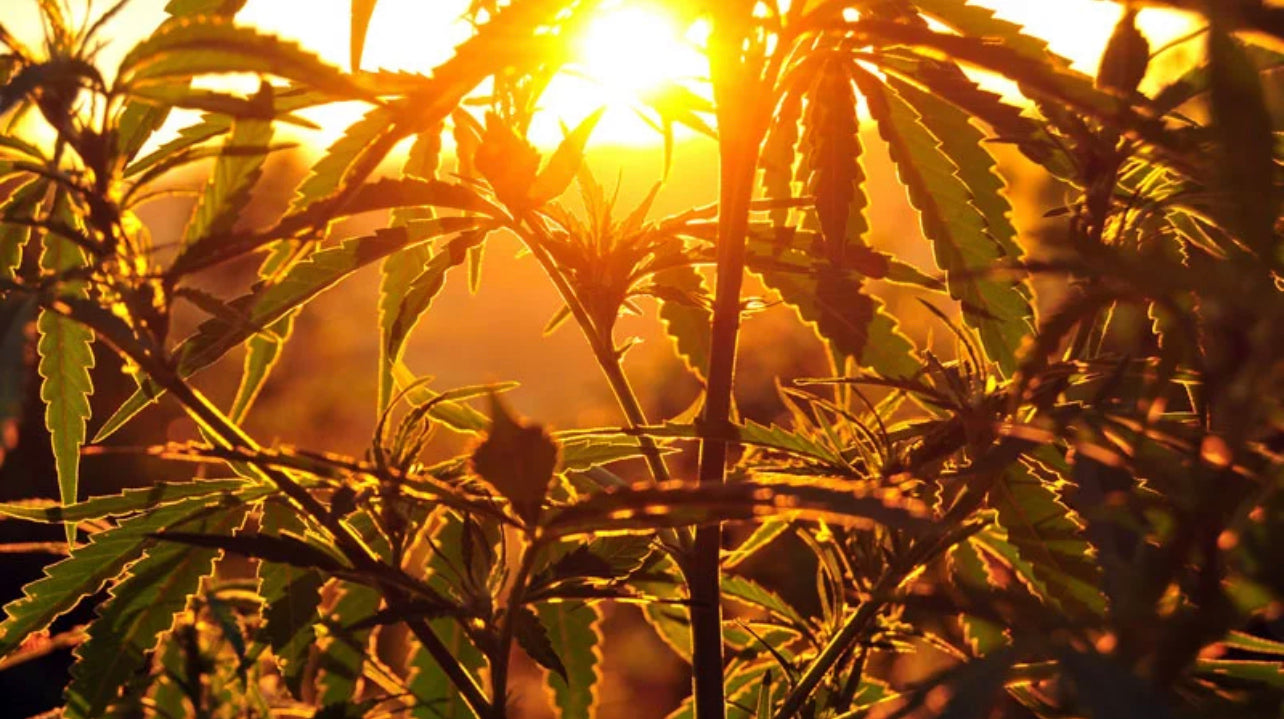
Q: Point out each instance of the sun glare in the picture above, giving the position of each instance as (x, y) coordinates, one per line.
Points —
(634, 50)
(627, 52)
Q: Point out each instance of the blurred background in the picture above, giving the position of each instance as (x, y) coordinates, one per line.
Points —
(322, 395)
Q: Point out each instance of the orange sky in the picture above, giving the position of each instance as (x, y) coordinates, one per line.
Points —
(418, 34)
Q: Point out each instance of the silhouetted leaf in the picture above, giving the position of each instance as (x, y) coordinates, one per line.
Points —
(362, 10)
(674, 504)
(1243, 127)
(202, 44)
(565, 161)
(533, 638)
(1110, 691)
(282, 549)
(518, 460)
(831, 150)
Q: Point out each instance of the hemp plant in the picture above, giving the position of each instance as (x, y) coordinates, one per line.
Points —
(1074, 514)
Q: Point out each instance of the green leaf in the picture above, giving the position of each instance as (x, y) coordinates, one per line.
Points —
(518, 460)
(684, 310)
(1249, 643)
(131, 501)
(362, 10)
(291, 598)
(565, 162)
(227, 192)
(329, 173)
(1056, 558)
(205, 44)
(762, 535)
(23, 203)
(977, 168)
(746, 591)
(435, 695)
(401, 269)
(65, 361)
(671, 622)
(959, 233)
(304, 281)
(579, 455)
(262, 352)
(418, 295)
(574, 636)
(142, 605)
(87, 569)
(343, 651)
(969, 570)
(832, 301)
(1258, 672)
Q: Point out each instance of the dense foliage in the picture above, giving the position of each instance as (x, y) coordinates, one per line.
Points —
(1079, 514)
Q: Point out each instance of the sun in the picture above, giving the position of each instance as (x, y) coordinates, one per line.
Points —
(627, 52)
(634, 49)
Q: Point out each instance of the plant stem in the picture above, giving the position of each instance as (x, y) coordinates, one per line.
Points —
(394, 584)
(739, 136)
(499, 661)
(603, 350)
(855, 627)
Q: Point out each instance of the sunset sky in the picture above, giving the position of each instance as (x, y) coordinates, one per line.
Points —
(416, 35)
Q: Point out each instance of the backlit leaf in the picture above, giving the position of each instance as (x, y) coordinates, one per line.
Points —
(65, 361)
(685, 314)
(201, 44)
(362, 10)
(574, 637)
(960, 237)
(87, 569)
(141, 606)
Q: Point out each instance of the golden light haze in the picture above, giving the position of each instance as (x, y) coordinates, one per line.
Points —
(630, 49)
